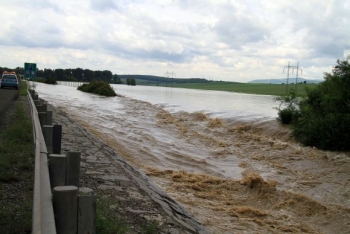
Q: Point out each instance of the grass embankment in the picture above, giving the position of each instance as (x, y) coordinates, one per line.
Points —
(250, 88)
(98, 87)
(16, 168)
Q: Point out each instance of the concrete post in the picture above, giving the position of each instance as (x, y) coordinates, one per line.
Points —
(37, 103)
(40, 108)
(57, 139)
(48, 117)
(87, 211)
(48, 135)
(57, 169)
(42, 118)
(44, 106)
(73, 168)
(65, 204)
(32, 93)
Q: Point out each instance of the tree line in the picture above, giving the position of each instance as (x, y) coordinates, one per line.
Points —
(76, 74)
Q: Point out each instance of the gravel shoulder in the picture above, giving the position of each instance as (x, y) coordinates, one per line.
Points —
(137, 200)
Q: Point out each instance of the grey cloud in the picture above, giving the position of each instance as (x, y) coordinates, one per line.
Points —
(103, 5)
(237, 31)
(149, 55)
(326, 35)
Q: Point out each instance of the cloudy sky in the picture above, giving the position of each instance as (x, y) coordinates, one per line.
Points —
(214, 39)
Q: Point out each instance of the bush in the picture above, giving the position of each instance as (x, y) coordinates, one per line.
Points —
(98, 87)
(288, 110)
(286, 116)
(324, 119)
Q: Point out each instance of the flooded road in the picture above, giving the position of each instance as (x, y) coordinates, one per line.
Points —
(221, 155)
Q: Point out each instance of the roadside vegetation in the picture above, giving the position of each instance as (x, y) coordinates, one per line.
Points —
(322, 117)
(108, 223)
(16, 168)
(98, 87)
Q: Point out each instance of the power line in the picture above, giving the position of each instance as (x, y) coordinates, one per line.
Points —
(292, 68)
(168, 74)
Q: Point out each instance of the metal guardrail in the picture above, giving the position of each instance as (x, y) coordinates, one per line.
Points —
(43, 214)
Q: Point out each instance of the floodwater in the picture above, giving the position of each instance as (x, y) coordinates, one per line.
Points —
(221, 155)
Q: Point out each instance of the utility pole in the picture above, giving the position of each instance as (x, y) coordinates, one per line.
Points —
(292, 68)
(167, 74)
(296, 78)
(287, 76)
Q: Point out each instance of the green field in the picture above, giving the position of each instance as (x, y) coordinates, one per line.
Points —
(264, 89)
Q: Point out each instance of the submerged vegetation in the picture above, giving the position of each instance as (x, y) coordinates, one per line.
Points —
(322, 118)
(98, 87)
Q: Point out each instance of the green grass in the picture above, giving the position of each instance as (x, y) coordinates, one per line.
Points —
(16, 171)
(106, 223)
(250, 88)
(23, 88)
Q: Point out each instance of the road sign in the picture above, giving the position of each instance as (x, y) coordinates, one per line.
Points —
(29, 70)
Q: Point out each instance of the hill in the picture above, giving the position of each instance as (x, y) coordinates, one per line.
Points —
(284, 81)
(154, 80)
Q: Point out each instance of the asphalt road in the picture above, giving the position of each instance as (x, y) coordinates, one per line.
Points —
(7, 98)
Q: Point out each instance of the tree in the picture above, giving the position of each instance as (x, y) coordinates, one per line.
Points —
(98, 75)
(324, 119)
(107, 75)
(89, 75)
(131, 81)
(116, 79)
(60, 74)
(78, 74)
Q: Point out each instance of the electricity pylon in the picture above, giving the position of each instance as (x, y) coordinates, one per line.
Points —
(292, 68)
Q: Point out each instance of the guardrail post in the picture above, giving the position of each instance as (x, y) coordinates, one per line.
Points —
(65, 203)
(57, 138)
(48, 134)
(73, 168)
(42, 118)
(48, 117)
(57, 168)
(36, 103)
(86, 211)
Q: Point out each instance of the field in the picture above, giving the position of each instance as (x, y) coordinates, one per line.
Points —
(264, 89)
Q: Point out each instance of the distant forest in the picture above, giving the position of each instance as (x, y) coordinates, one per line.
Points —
(87, 75)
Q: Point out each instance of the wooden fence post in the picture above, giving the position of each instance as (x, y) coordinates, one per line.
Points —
(57, 139)
(73, 168)
(57, 169)
(48, 135)
(65, 203)
(86, 211)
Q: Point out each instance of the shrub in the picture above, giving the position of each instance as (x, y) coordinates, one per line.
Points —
(98, 87)
(324, 119)
(288, 110)
(286, 116)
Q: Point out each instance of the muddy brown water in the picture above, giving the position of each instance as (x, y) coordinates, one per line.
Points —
(234, 176)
